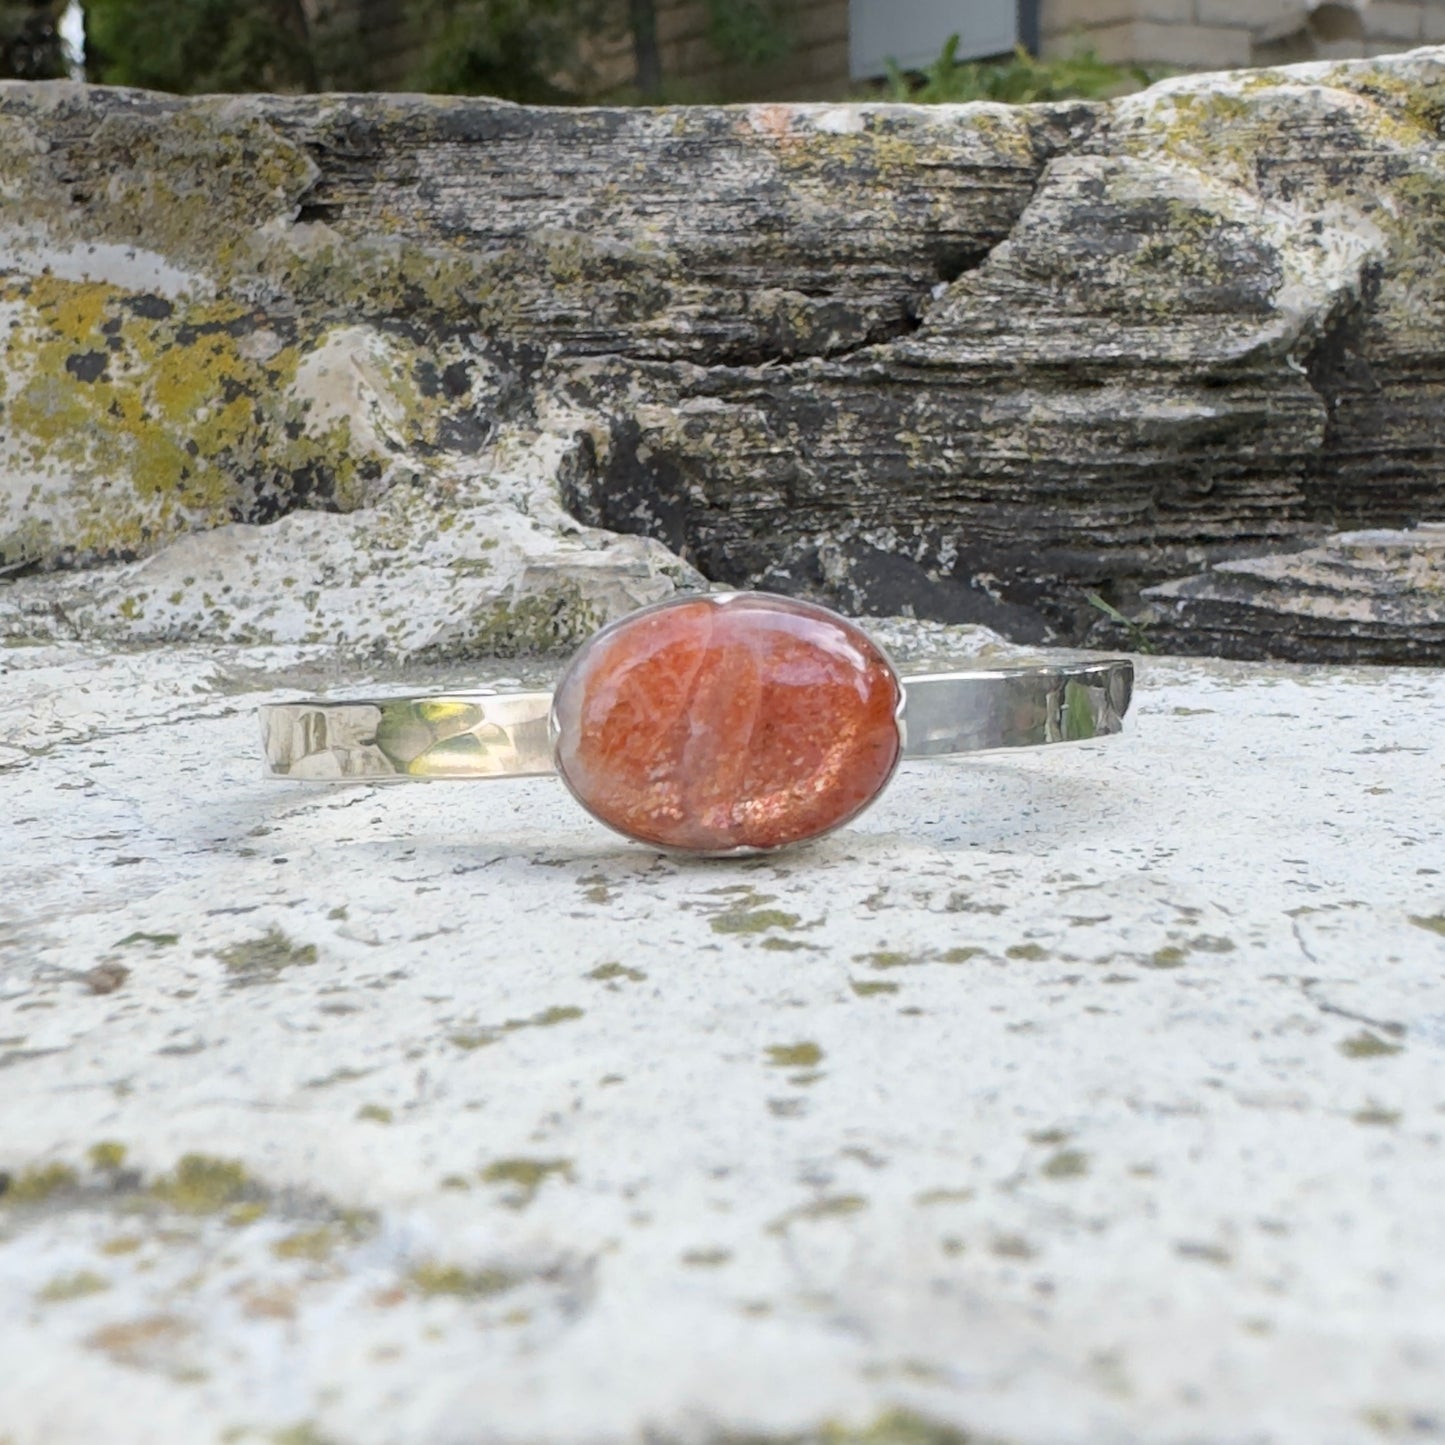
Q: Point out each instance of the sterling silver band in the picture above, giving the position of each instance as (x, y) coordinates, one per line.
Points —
(497, 735)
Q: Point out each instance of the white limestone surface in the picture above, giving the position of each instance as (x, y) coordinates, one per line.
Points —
(1079, 1096)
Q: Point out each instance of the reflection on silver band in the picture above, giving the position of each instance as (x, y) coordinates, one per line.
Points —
(1014, 707)
(496, 735)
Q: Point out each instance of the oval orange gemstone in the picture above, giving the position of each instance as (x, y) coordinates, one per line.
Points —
(739, 721)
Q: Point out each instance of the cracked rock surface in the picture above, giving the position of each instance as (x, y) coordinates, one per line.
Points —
(1000, 366)
(1085, 1094)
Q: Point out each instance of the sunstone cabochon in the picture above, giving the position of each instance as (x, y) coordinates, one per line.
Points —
(738, 721)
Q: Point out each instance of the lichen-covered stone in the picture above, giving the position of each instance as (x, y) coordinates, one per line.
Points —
(976, 362)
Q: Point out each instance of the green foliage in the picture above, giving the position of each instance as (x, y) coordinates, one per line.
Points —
(196, 46)
(30, 43)
(1138, 635)
(1016, 81)
(748, 32)
(527, 50)
(516, 49)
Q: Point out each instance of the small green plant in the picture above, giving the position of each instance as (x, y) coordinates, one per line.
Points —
(1138, 637)
(748, 32)
(518, 49)
(1018, 80)
(197, 46)
(527, 50)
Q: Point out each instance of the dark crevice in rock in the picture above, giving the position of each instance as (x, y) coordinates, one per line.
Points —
(774, 351)
(642, 496)
(1353, 479)
(634, 485)
(867, 579)
(1336, 364)
(308, 488)
(25, 567)
(313, 212)
(952, 262)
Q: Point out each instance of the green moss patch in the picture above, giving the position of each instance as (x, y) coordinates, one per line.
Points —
(72, 1286)
(522, 1178)
(34, 1186)
(752, 920)
(795, 1056)
(204, 1184)
(263, 959)
(1365, 1045)
(433, 1278)
(833, 1206)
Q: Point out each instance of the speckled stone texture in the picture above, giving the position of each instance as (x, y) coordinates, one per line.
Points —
(1081, 1096)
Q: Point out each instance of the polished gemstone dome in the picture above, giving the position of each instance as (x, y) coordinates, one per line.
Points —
(739, 721)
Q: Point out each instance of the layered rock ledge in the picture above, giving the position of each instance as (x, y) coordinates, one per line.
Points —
(442, 377)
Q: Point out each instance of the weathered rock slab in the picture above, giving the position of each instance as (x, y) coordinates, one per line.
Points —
(1385, 589)
(1086, 1095)
(975, 362)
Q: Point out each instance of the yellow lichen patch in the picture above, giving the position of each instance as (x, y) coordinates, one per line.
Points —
(525, 1177)
(1213, 130)
(34, 1185)
(757, 920)
(1224, 132)
(608, 972)
(304, 1432)
(197, 183)
(432, 1278)
(397, 276)
(106, 1155)
(866, 988)
(313, 1244)
(706, 1258)
(1065, 1164)
(1012, 1246)
(267, 1302)
(1413, 291)
(141, 419)
(72, 1286)
(1414, 108)
(904, 1427)
(805, 1055)
(202, 1184)
(831, 1207)
(943, 1196)
(263, 959)
(1366, 1045)
(552, 621)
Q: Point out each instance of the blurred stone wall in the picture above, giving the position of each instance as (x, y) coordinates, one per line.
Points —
(1221, 34)
(1181, 34)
